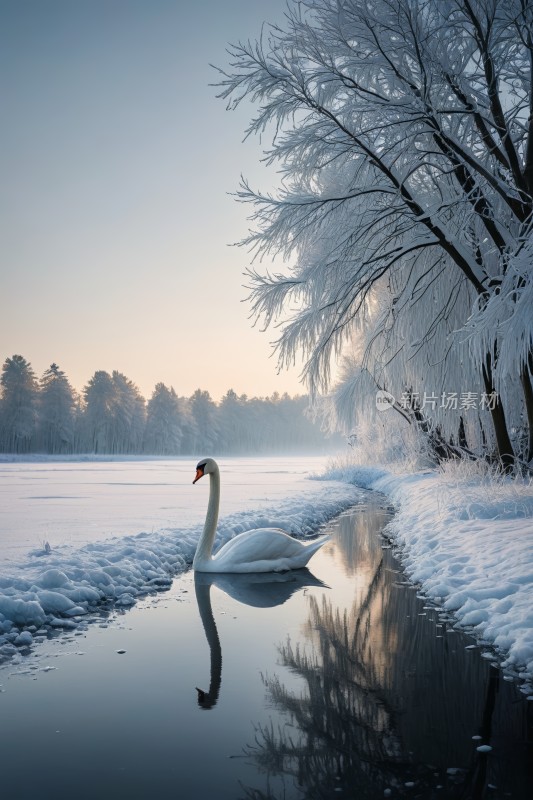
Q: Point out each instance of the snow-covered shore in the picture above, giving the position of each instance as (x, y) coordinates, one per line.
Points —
(468, 542)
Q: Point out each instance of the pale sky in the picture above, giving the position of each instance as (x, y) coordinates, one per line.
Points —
(117, 161)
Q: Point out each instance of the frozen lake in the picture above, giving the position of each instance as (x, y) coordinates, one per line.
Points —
(77, 502)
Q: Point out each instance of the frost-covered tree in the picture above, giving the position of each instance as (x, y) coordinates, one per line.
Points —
(404, 134)
(163, 431)
(204, 412)
(111, 417)
(98, 412)
(57, 404)
(189, 428)
(232, 424)
(18, 405)
(128, 415)
(114, 415)
(267, 425)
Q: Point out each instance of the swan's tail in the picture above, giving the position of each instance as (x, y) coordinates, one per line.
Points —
(312, 547)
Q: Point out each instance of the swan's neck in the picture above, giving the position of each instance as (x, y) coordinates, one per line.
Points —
(205, 545)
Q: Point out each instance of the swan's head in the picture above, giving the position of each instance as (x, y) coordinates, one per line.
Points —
(205, 467)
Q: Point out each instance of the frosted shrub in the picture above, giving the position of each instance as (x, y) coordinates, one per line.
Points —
(482, 489)
(401, 447)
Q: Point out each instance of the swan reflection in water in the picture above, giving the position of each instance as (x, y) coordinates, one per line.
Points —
(257, 589)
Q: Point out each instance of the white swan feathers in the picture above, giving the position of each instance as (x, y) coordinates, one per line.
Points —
(259, 550)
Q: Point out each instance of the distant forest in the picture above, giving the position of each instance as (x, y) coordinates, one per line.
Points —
(110, 416)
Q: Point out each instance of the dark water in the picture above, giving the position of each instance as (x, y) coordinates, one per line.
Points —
(340, 683)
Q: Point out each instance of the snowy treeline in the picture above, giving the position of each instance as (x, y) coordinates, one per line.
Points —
(403, 134)
(111, 416)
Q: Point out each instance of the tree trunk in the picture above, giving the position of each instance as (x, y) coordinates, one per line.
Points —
(462, 434)
(503, 441)
(441, 450)
(525, 380)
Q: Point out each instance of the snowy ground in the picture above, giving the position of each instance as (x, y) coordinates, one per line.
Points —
(40, 589)
(468, 541)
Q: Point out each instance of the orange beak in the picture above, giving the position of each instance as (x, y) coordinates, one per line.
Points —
(199, 474)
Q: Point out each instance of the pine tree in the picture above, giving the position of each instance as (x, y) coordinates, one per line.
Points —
(18, 406)
(98, 413)
(128, 415)
(57, 403)
(163, 433)
(204, 413)
(231, 423)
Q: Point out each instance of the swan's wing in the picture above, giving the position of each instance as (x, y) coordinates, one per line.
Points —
(260, 544)
(263, 550)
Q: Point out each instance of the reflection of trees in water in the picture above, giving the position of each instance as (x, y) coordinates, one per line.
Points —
(383, 701)
(341, 732)
(355, 543)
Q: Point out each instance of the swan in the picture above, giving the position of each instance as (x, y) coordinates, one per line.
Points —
(259, 550)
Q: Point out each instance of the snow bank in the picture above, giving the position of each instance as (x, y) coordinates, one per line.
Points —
(468, 542)
(58, 588)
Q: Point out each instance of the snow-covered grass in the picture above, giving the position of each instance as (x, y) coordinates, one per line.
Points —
(466, 536)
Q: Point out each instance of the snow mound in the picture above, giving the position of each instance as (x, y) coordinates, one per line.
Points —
(59, 588)
(469, 544)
